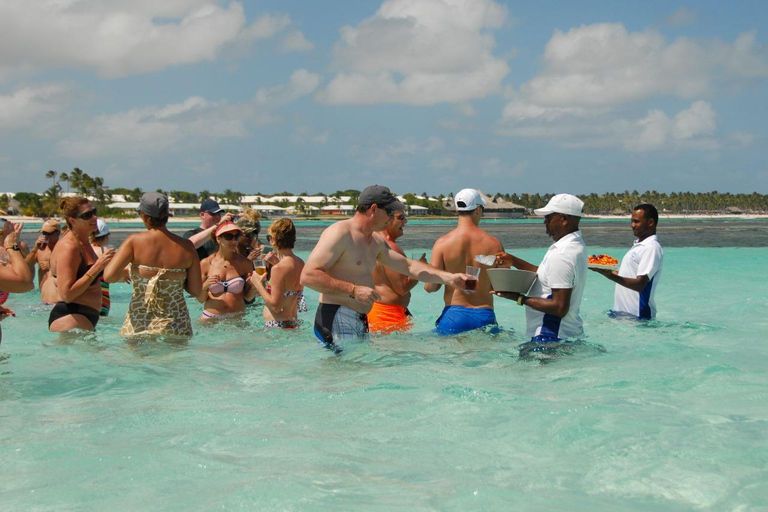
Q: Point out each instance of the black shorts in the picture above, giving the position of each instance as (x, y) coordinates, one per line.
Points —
(62, 309)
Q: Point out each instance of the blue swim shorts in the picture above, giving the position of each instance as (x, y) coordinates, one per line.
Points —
(458, 319)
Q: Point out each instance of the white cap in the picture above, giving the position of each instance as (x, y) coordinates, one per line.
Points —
(562, 203)
(467, 200)
(101, 228)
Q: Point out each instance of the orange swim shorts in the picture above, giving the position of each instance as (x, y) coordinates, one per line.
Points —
(388, 318)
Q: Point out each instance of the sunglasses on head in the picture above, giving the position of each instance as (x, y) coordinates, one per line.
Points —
(230, 236)
(87, 215)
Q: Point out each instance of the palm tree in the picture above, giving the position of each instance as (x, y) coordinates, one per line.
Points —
(65, 178)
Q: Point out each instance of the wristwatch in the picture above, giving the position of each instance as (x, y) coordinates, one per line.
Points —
(521, 300)
(14, 247)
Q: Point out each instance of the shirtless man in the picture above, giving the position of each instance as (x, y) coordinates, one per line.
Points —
(41, 254)
(453, 252)
(390, 313)
(341, 268)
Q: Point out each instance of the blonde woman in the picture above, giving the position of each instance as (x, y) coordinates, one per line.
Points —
(283, 295)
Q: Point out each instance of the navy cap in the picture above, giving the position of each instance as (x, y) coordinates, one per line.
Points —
(211, 206)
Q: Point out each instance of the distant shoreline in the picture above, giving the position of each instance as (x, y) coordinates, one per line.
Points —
(188, 220)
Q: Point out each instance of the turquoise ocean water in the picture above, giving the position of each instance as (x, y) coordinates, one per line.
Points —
(668, 415)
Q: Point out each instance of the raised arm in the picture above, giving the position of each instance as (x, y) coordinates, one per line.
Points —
(115, 271)
(419, 270)
(18, 276)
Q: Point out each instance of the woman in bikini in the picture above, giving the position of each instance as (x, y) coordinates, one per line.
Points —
(162, 266)
(283, 295)
(76, 269)
(225, 277)
(15, 275)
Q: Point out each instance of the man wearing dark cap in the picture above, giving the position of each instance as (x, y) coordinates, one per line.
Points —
(202, 236)
(341, 265)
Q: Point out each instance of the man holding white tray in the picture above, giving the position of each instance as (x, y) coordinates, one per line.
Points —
(640, 270)
(552, 309)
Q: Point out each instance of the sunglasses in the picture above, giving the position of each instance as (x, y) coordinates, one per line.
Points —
(230, 236)
(402, 216)
(269, 238)
(87, 215)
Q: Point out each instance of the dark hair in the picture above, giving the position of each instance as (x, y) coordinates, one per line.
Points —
(362, 208)
(650, 211)
(283, 233)
(157, 222)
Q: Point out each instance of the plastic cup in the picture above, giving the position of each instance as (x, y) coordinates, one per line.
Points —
(260, 267)
(474, 275)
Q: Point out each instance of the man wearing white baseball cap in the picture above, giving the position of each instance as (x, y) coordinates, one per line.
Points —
(453, 252)
(552, 309)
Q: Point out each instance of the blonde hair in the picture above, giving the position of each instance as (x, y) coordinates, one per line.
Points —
(249, 222)
(283, 233)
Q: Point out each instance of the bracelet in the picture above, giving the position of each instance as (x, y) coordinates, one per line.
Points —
(89, 275)
(521, 300)
(352, 293)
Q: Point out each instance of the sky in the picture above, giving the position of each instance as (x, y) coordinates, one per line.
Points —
(419, 95)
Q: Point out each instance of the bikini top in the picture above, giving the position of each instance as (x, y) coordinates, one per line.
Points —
(302, 303)
(234, 285)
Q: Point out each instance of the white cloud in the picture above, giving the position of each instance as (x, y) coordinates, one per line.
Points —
(294, 41)
(117, 38)
(604, 64)
(23, 106)
(419, 52)
(194, 122)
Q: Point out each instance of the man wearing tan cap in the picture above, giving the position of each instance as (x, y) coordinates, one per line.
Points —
(41, 254)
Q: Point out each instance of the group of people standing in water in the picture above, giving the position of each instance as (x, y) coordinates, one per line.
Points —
(362, 275)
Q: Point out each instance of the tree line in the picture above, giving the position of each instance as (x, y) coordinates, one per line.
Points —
(619, 203)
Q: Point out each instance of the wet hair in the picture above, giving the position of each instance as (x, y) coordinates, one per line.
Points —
(69, 206)
(283, 233)
(649, 210)
(249, 222)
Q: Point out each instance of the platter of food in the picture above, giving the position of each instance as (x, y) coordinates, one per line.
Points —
(511, 280)
(602, 261)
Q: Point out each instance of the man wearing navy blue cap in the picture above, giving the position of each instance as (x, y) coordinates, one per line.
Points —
(202, 236)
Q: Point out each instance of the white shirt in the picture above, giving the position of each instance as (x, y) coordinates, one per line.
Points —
(644, 259)
(563, 267)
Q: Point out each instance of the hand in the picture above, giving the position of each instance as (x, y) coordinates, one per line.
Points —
(44, 265)
(211, 279)
(12, 233)
(255, 253)
(271, 258)
(503, 260)
(604, 271)
(103, 261)
(257, 279)
(366, 295)
(423, 257)
(459, 281)
(41, 240)
(5, 312)
(227, 217)
(508, 295)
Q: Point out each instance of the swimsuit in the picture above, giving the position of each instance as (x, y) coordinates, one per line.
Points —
(283, 324)
(235, 285)
(458, 319)
(334, 322)
(157, 305)
(208, 315)
(389, 317)
(301, 307)
(4, 297)
(62, 309)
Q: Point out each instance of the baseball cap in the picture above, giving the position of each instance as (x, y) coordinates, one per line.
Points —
(381, 196)
(50, 226)
(154, 204)
(468, 199)
(101, 228)
(562, 203)
(226, 227)
(211, 206)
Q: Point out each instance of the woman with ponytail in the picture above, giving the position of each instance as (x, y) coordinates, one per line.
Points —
(77, 269)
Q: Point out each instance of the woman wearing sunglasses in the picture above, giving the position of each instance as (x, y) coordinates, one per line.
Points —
(283, 295)
(76, 269)
(225, 277)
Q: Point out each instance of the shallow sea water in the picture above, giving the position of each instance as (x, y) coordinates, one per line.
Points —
(668, 415)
